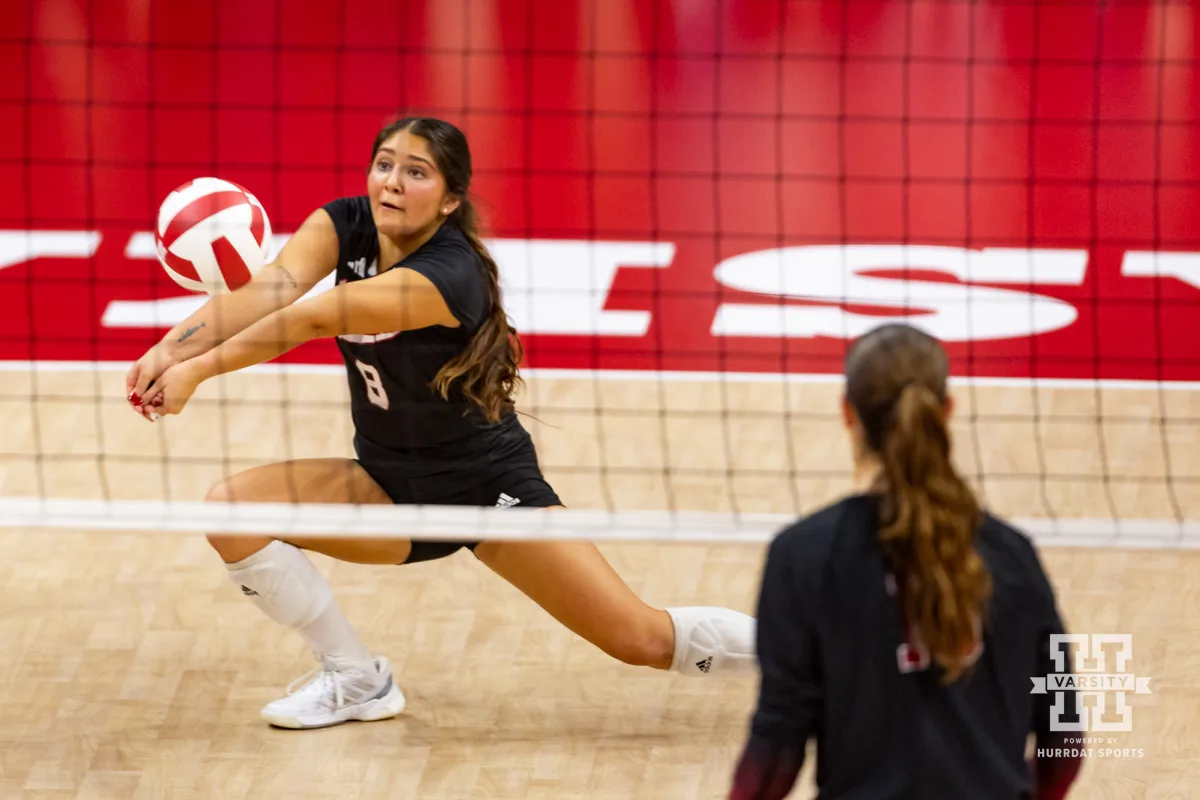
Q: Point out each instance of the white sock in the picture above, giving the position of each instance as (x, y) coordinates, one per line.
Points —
(281, 581)
(713, 641)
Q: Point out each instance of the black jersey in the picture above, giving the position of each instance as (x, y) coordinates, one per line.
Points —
(392, 404)
(837, 665)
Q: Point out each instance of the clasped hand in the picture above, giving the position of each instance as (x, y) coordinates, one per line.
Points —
(157, 384)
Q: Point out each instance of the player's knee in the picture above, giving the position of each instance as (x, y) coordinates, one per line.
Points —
(220, 492)
(231, 548)
(234, 548)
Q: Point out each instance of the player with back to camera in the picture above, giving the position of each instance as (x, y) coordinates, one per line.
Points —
(901, 625)
(432, 366)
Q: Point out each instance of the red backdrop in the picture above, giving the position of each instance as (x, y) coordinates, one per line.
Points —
(1044, 157)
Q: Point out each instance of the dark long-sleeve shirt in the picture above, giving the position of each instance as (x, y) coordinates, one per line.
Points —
(836, 665)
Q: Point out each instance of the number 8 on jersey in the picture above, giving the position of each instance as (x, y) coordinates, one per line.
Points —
(375, 391)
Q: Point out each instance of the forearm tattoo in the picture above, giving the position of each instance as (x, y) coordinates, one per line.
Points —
(188, 333)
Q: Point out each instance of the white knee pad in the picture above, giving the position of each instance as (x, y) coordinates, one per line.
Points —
(281, 581)
(713, 641)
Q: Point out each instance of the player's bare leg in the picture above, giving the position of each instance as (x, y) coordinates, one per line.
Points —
(351, 684)
(576, 585)
(309, 480)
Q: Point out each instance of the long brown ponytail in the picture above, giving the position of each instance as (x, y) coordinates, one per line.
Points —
(489, 368)
(896, 383)
(487, 371)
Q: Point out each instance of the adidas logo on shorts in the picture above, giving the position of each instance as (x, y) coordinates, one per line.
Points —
(506, 501)
(704, 665)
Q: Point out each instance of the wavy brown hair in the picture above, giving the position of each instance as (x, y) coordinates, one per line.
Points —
(896, 384)
(487, 371)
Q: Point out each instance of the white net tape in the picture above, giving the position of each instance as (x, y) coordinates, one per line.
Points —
(462, 523)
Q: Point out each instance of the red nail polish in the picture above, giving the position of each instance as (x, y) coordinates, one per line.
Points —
(133, 398)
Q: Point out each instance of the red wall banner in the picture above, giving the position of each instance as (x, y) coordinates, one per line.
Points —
(666, 186)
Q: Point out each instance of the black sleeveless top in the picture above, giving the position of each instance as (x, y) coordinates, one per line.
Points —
(391, 401)
(840, 664)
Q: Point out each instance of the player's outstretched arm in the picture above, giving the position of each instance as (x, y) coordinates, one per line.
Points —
(397, 300)
(309, 255)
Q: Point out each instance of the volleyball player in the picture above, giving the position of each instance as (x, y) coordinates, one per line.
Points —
(432, 366)
(900, 627)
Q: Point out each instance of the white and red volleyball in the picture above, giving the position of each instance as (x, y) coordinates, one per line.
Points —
(212, 235)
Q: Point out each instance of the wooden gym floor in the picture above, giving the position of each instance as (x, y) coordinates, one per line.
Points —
(134, 669)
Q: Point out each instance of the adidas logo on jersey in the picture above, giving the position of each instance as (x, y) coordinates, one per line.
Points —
(704, 665)
(505, 501)
(359, 267)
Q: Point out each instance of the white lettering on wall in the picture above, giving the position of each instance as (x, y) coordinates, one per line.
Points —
(1181, 266)
(560, 287)
(834, 274)
(17, 247)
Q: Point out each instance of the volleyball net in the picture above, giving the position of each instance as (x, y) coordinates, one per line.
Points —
(694, 209)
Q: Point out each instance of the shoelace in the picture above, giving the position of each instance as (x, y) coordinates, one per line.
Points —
(323, 672)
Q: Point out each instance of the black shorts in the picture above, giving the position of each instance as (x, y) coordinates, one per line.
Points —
(499, 469)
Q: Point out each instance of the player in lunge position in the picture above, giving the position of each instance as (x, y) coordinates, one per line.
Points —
(432, 366)
(900, 626)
